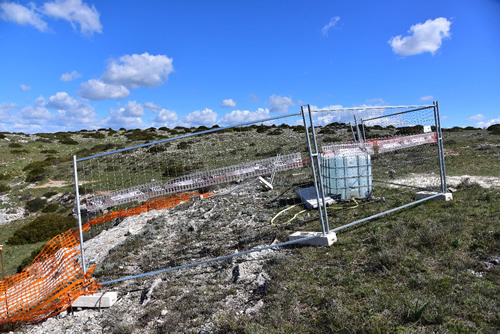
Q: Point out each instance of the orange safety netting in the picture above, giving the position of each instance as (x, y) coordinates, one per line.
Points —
(55, 278)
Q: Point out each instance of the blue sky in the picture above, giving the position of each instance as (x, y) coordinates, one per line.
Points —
(73, 64)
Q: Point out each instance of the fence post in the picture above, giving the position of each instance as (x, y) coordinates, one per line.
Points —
(77, 199)
(439, 134)
(311, 157)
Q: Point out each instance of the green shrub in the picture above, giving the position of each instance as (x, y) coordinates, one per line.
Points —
(2, 136)
(19, 151)
(262, 129)
(173, 169)
(50, 208)
(95, 135)
(42, 228)
(183, 145)
(35, 204)
(37, 174)
(49, 194)
(299, 128)
(68, 141)
(15, 145)
(49, 151)
(276, 132)
(4, 176)
(494, 129)
(4, 188)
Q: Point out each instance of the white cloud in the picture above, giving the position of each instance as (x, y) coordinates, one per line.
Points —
(280, 104)
(377, 101)
(6, 108)
(133, 109)
(35, 114)
(228, 103)
(98, 90)
(119, 119)
(489, 123)
(333, 21)
(25, 87)
(153, 106)
(166, 118)
(71, 111)
(244, 116)
(425, 37)
(427, 98)
(253, 98)
(70, 76)
(476, 118)
(19, 14)
(204, 117)
(76, 13)
(133, 71)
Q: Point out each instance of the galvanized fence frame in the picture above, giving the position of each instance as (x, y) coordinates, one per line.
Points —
(359, 133)
(311, 143)
(306, 113)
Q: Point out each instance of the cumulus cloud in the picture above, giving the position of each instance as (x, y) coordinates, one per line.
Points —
(253, 98)
(25, 87)
(71, 111)
(119, 119)
(166, 118)
(35, 114)
(333, 21)
(201, 117)
(22, 15)
(98, 90)
(488, 123)
(133, 109)
(476, 118)
(133, 71)
(228, 103)
(280, 104)
(76, 13)
(153, 106)
(70, 76)
(424, 37)
(427, 98)
(6, 108)
(244, 116)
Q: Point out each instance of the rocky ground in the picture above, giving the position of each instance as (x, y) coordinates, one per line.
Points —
(195, 299)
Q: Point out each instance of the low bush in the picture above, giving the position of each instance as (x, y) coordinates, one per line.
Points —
(42, 228)
(35, 204)
(68, 141)
(50, 208)
(49, 194)
(4, 188)
(276, 132)
(36, 175)
(15, 145)
(173, 169)
(95, 135)
(49, 151)
(19, 151)
(494, 129)
(183, 145)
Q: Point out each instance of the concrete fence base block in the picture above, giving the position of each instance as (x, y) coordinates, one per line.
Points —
(323, 240)
(425, 194)
(106, 300)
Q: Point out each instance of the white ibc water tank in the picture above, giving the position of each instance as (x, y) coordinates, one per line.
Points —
(346, 172)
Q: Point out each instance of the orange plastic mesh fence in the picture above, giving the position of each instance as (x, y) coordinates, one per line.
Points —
(55, 278)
